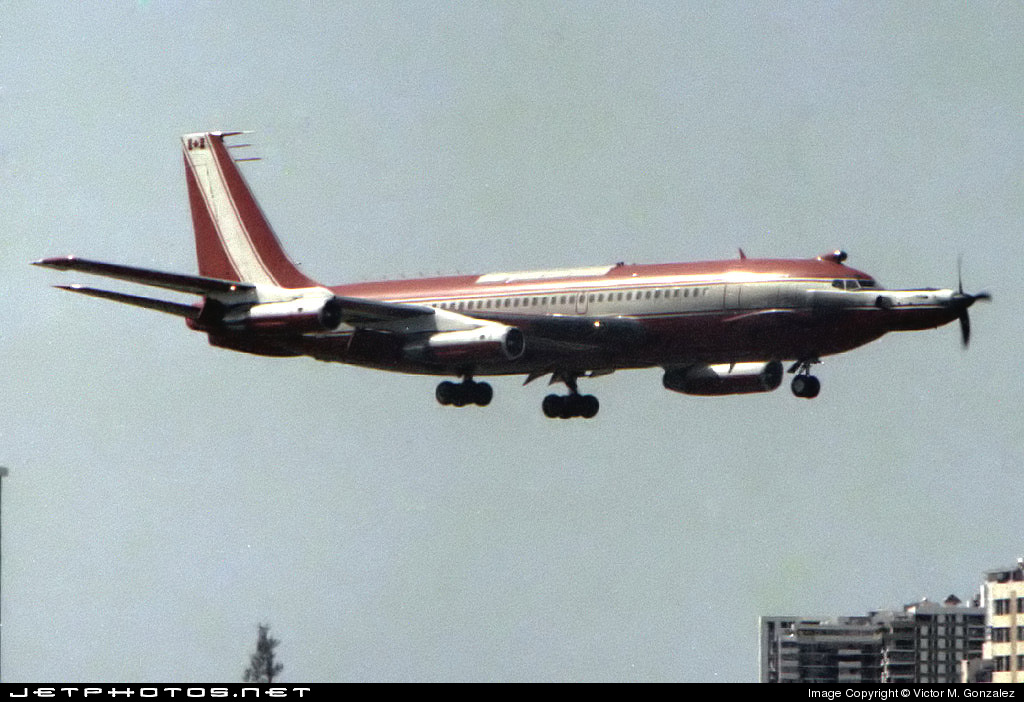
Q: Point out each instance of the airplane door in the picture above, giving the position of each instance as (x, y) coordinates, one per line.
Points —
(581, 303)
(732, 297)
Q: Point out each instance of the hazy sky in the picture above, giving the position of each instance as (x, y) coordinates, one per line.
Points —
(165, 497)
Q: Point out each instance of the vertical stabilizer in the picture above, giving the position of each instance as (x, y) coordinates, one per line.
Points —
(234, 241)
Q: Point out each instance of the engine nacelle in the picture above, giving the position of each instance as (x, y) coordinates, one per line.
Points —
(724, 378)
(291, 317)
(492, 342)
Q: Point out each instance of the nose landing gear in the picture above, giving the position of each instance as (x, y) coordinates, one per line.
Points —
(804, 384)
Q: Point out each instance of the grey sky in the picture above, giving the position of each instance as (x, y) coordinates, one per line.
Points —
(165, 496)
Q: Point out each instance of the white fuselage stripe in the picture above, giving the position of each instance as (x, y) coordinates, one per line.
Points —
(231, 231)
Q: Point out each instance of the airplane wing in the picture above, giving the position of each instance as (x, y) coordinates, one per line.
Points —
(195, 284)
(578, 333)
(358, 311)
(770, 316)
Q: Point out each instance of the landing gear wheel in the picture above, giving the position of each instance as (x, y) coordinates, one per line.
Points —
(806, 386)
(482, 394)
(446, 392)
(569, 406)
(465, 393)
(552, 406)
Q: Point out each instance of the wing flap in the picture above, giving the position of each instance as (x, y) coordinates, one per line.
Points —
(195, 284)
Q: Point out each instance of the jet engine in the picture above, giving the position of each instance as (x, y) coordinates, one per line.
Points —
(290, 317)
(724, 378)
(492, 342)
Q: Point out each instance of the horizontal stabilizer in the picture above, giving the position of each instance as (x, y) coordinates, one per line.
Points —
(195, 284)
(359, 310)
(174, 308)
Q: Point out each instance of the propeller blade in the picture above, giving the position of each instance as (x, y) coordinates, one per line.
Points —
(963, 301)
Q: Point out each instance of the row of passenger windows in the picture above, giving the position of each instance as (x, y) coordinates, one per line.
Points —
(571, 299)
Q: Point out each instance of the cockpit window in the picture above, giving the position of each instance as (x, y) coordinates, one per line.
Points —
(853, 283)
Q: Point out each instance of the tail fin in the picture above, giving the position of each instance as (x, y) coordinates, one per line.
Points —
(234, 241)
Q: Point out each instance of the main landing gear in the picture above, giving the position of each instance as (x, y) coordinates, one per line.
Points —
(804, 384)
(572, 405)
(569, 406)
(468, 392)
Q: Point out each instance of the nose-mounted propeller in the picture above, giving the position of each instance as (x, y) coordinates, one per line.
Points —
(964, 300)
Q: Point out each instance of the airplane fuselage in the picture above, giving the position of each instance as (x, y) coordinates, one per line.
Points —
(635, 316)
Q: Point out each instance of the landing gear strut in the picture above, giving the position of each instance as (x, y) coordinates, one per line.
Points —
(572, 405)
(468, 392)
(804, 384)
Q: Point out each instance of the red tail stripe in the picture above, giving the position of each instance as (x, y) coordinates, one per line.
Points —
(257, 229)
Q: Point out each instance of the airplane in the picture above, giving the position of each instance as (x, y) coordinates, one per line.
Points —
(715, 328)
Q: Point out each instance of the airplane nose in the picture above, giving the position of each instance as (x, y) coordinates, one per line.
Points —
(961, 301)
(965, 300)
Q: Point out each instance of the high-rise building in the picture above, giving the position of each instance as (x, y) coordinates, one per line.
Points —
(840, 650)
(923, 643)
(1002, 596)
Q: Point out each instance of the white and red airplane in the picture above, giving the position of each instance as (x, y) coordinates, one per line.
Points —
(716, 328)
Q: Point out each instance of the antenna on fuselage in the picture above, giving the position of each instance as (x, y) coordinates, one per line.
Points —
(837, 256)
